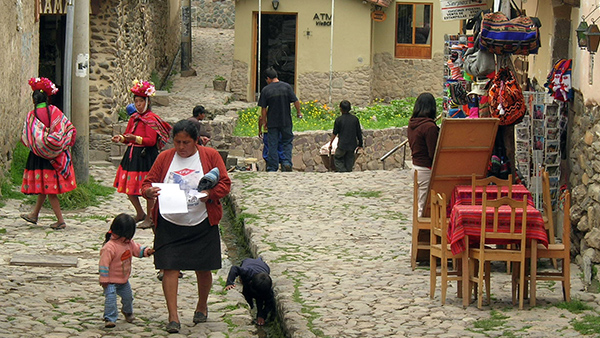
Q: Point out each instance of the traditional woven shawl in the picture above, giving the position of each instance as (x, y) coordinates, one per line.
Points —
(50, 142)
(153, 121)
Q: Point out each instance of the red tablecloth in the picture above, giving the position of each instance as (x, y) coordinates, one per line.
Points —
(462, 194)
(466, 220)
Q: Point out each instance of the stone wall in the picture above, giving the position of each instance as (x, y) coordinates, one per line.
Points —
(584, 182)
(306, 156)
(399, 78)
(354, 86)
(18, 62)
(128, 41)
(306, 153)
(213, 13)
(239, 79)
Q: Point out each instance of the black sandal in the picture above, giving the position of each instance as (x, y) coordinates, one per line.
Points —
(29, 218)
(58, 226)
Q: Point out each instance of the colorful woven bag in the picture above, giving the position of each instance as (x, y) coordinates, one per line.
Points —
(518, 36)
(506, 98)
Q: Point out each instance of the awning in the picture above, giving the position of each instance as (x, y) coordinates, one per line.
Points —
(382, 3)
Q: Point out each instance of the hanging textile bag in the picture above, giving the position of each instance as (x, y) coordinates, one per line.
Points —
(479, 63)
(506, 98)
(499, 35)
(458, 94)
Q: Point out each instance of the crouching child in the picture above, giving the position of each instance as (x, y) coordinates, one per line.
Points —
(254, 274)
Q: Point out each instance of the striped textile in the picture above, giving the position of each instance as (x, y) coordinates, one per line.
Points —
(462, 194)
(152, 120)
(465, 220)
(51, 142)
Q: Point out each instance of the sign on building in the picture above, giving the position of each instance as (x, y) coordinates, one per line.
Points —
(461, 9)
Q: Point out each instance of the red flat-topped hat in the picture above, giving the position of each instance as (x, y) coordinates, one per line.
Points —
(43, 84)
(143, 88)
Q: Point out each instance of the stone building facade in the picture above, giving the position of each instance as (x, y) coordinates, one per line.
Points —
(584, 182)
(129, 40)
(213, 13)
(18, 63)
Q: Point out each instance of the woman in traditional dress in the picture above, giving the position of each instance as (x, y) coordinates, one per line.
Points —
(48, 134)
(191, 240)
(145, 135)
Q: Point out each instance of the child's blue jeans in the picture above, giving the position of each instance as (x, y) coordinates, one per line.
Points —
(111, 312)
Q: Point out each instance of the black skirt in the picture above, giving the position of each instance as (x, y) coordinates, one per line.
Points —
(195, 248)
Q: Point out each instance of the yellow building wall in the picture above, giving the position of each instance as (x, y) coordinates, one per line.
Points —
(351, 25)
(385, 32)
(541, 63)
(582, 59)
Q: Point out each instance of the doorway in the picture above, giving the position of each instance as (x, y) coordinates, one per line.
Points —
(277, 49)
(52, 52)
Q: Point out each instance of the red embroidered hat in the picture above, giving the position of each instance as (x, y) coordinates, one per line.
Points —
(143, 88)
(43, 84)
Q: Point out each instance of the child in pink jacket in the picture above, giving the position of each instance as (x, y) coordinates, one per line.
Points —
(115, 268)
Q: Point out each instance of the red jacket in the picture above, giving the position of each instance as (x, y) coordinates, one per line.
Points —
(209, 158)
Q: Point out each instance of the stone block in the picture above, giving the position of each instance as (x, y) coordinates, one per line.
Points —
(44, 260)
(161, 98)
(593, 238)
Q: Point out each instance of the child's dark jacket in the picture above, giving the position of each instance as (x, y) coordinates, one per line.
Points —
(247, 270)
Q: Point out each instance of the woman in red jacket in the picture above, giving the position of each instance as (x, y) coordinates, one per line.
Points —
(49, 135)
(190, 240)
(145, 135)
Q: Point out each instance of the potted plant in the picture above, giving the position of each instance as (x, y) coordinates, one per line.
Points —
(219, 83)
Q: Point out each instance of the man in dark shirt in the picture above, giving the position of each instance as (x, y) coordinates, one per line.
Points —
(275, 99)
(198, 114)
(347, 128)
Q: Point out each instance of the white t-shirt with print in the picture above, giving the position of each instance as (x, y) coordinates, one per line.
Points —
(187, 171)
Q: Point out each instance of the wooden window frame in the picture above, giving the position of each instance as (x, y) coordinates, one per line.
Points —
(413, 51)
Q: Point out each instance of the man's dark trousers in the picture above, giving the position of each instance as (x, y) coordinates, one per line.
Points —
(344, 160)
(286, 141)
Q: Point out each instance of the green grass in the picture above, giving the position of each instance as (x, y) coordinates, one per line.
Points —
(320, 116)
(496, 320)
(574, 306)
(589, 324)
(362, 193)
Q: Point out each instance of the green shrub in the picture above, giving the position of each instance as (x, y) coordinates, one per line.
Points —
(318, 116)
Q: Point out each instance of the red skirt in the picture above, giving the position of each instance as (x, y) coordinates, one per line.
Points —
(40, 177)
(134, 168)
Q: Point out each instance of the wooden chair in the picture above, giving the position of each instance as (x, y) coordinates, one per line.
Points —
(489, 180)
(484, 182)
(548, 215)
(559, 251)
(440, 248)
(420, 229)
(484, 254)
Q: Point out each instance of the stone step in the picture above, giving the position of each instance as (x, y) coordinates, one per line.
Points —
(103, 163)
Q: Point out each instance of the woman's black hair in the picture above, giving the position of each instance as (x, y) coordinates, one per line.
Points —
(123, 226)
(425, 106)
(186, 126)
(39, 96)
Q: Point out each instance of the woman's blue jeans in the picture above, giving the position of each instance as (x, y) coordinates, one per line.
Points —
(111, 312)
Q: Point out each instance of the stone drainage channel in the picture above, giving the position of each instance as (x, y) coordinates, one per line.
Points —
(232, 234)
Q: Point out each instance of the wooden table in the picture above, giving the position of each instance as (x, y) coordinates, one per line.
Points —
(465, 221)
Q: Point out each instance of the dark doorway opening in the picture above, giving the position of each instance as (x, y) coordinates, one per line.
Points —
(52, 52)
(278, 48)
